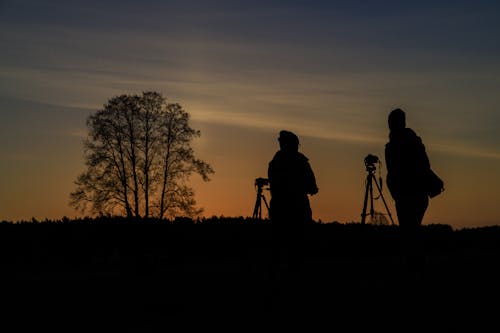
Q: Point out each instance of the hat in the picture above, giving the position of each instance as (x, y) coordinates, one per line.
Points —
(288, 138)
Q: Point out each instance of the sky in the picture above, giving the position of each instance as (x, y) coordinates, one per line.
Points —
(330, 71)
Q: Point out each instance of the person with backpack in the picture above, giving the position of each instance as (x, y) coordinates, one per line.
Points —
(408, 169)
(291, 181)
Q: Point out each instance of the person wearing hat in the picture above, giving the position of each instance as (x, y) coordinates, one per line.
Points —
(291, 181)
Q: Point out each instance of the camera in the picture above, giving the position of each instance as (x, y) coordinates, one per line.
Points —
(260, 182)
(370, 161)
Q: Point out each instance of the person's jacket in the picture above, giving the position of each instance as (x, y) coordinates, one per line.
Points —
(407, 164)
(291, 179)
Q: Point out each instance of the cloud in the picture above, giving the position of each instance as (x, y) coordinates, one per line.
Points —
(76, 133)
(467, 151)
(18, 157)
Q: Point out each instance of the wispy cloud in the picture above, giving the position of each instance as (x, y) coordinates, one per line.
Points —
(467, 151)
(18, 157)
(81, 133)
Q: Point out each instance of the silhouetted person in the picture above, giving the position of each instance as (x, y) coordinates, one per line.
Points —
(291, 180)
(407, 166)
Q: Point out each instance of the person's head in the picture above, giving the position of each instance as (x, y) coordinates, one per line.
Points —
(288, 141)
(397, 120)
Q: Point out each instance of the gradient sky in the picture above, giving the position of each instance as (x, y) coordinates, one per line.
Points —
(330, 71)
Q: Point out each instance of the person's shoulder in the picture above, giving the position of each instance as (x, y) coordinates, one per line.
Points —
(302, 157)
(276, 158)
(412, 135)
(277, 155)
(410, 132)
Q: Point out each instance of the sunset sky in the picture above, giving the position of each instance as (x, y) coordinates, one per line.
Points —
(330, 71)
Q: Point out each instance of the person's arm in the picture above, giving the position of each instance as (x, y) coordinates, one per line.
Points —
(390, 171)
(424, 158)
(312, 186)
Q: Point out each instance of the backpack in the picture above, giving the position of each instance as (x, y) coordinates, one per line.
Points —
(434, 184)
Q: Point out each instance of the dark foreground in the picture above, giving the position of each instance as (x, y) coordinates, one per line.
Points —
(150, 277)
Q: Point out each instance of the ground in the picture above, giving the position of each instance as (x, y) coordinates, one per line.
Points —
(149, 279)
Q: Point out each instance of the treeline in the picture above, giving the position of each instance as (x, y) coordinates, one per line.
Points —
(218, 237)
(222, 227)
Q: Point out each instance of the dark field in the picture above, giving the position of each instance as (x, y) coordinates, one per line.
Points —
(117, 275)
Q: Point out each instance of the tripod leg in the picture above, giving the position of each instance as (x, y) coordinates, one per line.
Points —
(365, 201)
(372, 211)
(267, 205)
(383, 200)
(257, 208)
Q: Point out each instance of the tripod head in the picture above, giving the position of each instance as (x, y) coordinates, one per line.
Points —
(261, 182)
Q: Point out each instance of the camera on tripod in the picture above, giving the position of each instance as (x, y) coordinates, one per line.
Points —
(261, 182)
(370, 161)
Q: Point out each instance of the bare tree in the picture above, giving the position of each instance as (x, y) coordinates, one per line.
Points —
(139, 160)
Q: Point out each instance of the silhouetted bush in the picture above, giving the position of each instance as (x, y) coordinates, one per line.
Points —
(89, 240)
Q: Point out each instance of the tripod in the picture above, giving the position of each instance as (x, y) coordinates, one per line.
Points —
(257, 211)
(370, 179)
